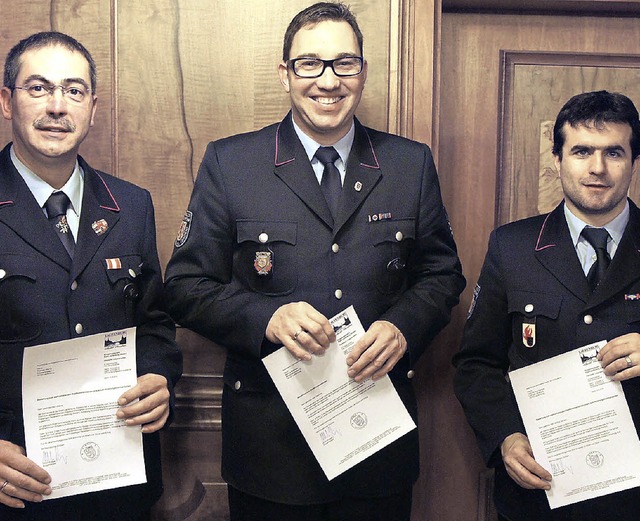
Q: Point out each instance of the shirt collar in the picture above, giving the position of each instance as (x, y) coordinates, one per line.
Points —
(615, 227)
(41, 190)
(343, 146)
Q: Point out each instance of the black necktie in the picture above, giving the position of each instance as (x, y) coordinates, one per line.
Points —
(598, 238)
(56, 207)
(331, 183)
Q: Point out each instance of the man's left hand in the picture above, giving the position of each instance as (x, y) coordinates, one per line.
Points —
(377, 352)
(620, 358)
(152, 409)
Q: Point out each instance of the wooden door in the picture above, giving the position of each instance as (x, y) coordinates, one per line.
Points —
(505, 73)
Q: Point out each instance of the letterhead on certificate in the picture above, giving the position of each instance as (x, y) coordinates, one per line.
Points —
(579, 425)
(343, 421)
(70, 392)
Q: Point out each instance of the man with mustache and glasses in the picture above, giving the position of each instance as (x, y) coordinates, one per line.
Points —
(77, 257)
(274, 243)
(549, 286)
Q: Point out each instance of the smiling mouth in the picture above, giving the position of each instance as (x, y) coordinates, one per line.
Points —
(327, 101)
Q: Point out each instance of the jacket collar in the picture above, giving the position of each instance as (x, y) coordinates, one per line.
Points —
(20, 212)
(555, 250)
(293, 167)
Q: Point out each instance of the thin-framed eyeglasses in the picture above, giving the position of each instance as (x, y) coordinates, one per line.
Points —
(76, 93)
(315, 67)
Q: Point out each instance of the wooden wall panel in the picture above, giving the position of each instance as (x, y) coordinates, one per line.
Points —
(175, 74)
(468, 134)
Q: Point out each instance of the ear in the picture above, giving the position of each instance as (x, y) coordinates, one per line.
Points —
(635, 166)
(283, 73)
(5, 103)
(93, 110)
(557, 161)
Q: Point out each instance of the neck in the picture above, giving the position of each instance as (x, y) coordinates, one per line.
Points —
(54, 171)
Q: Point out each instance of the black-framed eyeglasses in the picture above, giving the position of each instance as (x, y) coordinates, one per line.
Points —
(315, 67)
(74, 92)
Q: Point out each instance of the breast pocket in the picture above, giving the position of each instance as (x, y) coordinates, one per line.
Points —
(123, 274)
(391, 245)
(266, 259)
(533, 319)
(18, 292)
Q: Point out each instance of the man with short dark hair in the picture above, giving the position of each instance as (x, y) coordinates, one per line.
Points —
(77, 257)
(548, 286)
(287, 227)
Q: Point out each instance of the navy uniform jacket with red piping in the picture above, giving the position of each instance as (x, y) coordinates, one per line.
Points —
(390, 254)
(39, 306)
(532, 274)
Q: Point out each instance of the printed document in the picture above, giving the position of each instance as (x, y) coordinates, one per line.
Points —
(70, 392)
(343, 421)
(579, 426)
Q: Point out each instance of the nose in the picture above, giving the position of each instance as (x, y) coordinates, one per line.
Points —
(598, 164)
(56, 103)
(328, 80)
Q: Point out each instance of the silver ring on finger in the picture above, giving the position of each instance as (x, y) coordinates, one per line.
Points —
(297, 333)
(4, 485)
(629, 362)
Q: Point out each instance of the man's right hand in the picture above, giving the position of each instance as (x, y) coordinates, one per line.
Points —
(26, 481)
(301, 329)
(520, 464)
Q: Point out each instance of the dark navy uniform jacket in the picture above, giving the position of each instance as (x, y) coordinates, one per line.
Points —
(532, 274)
(390, 254)
(47, 297)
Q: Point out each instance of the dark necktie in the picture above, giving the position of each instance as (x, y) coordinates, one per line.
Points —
(331, 183)
(56, 207)
(598, 238)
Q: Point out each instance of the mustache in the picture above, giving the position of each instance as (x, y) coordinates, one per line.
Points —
(44, 123)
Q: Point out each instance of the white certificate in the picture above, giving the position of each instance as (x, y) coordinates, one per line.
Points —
(70, 392)
(579, 426)
(343, 421)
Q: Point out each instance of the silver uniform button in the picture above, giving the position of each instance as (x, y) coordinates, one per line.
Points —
(74, 285)
(237, 385)
(3, 274)
(335, 248)
(399, 236)
(79, 329)
(263, 238)
(338, 294)
(132, 273)
(528, 308)
(588, 319)
(410, 373)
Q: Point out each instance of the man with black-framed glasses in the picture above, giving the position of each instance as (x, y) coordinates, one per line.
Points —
(77, 257)
(290, 225)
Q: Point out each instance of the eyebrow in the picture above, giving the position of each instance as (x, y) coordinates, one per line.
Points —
(591, 148)
(316, 55)
(66, 81)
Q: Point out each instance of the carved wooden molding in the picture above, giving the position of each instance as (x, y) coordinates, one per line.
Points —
(198, 404)
(550, 7)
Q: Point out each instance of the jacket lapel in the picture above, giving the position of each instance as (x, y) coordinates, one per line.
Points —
(20, 212)
(363, 173)
(100, 213)
(625, 265)
(293, 167)
(554, 249)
